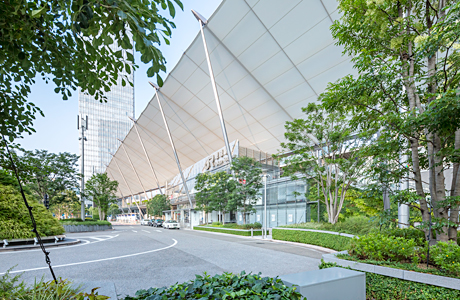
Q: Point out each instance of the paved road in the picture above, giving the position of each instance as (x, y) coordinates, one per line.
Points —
(139, 257)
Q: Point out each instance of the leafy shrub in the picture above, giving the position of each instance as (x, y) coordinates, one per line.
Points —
(411, 233)
(256, 225)
(446, 256)
(407, 233)
(15, 221)
(357, 225)
(216, 223)
(326, 240)
(227, 285)
(378, 246)
(12, 288)
(379, 287)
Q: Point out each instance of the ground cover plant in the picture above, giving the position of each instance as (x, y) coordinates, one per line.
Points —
(15, 221)
(379, 287)
(444, 256)
(223, 286)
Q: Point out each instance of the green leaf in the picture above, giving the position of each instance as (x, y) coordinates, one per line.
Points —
(172, 10)
(38, 12)
(151, 71)
(159, 81)
(178, 2)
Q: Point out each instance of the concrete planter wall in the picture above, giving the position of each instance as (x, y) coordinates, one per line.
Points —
(86, 228)
(442, 281)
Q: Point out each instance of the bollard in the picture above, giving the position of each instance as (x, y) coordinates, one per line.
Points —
(252, 232)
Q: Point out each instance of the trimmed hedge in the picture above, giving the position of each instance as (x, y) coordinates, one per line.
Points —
(225, 286)
(87, 223)
(228, 231)
(380, 287)
(326, 240)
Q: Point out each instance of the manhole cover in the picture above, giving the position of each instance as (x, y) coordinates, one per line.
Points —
(260, 243)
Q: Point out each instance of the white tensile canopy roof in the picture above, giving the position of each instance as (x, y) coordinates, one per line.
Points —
(270, 58)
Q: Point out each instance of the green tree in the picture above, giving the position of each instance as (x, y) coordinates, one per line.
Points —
(102, 191)
(216, 192)
(42, 172)
(66, 202)
(325, 151)
(7, 179)
(405, 96)
(113, 210)
(157, 205)
(72, 44)
(203, 196)
(248, 181)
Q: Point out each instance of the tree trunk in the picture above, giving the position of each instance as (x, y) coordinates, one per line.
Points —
(455, 191)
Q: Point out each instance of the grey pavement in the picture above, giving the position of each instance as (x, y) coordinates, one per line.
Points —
(134, 257)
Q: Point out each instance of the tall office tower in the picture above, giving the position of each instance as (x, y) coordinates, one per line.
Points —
(107, 122)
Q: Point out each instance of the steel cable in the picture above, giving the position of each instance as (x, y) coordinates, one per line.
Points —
(34, 224)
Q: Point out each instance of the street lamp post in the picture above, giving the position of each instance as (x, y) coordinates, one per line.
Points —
(84, 127)
(265, 175)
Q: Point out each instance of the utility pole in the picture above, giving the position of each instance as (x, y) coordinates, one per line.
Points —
(84, 127)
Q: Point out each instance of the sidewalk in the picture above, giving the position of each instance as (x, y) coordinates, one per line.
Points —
(270, 239)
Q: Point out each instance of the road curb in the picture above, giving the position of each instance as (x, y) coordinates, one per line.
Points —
(51, 245)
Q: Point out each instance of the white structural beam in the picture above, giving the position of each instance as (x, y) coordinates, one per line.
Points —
(147, 157)
(132, 194)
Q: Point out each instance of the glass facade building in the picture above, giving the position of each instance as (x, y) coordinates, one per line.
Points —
(107, 122)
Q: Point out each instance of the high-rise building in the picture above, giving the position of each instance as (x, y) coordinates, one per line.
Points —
(107, 122)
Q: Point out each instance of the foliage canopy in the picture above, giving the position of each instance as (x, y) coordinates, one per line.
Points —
(75, 45)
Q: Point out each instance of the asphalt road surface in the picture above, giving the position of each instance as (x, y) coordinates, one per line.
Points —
(138, 257)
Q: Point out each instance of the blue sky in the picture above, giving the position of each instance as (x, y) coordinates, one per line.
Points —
(57, 131)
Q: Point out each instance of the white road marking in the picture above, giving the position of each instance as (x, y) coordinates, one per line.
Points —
(158, 230)
(96, 238)
(146, 231)
(134, 231)
(97, 260)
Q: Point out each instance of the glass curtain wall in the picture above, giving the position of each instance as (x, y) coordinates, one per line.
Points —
(107, 122)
